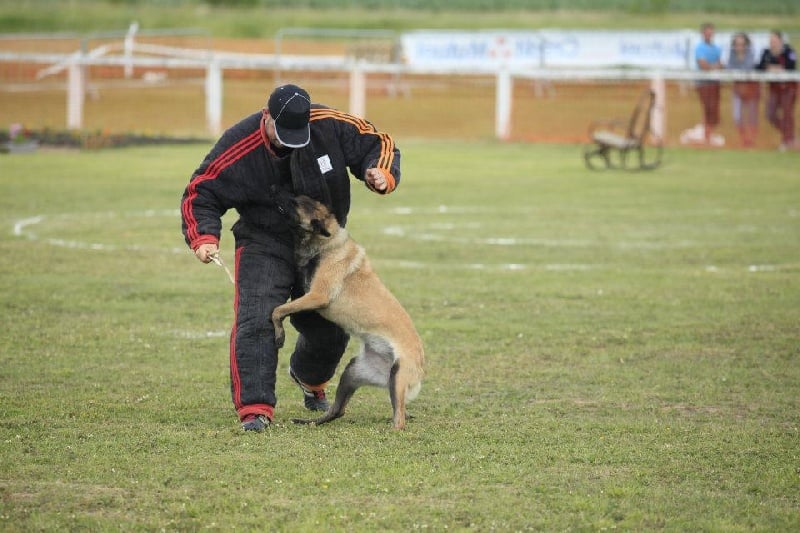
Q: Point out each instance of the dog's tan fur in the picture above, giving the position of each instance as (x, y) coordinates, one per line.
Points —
(344, 289)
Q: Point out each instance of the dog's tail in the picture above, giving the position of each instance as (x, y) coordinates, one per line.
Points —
(414, 374)
(413, 390)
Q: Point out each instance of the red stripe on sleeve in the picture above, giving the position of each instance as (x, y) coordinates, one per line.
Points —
(223, 161)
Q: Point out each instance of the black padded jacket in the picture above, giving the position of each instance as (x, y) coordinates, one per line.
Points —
(241, 169)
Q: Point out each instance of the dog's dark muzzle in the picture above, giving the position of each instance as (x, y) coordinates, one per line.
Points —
(285, 202)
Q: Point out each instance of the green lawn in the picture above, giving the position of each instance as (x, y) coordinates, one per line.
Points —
(605, 350)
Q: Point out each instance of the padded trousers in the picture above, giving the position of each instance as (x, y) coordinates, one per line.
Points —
(266, 277)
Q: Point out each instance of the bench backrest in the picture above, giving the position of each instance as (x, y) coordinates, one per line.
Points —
(639, 125)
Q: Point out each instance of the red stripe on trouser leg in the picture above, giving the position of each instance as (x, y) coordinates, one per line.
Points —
(255, 409)
(315, 388)
(265, 274)
(236, 383)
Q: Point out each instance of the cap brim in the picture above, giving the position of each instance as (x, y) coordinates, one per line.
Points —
(293, 138)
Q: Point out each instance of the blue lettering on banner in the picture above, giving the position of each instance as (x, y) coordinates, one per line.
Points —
(527, 47)
(451, 50)
(566, 47)
(555, 48)
(653, 49)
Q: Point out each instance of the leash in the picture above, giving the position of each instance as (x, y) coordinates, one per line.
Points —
(218, 261)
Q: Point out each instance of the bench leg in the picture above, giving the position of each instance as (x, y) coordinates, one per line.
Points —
(592, 152)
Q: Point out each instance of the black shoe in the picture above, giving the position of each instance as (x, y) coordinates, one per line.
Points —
(256, 423)
(313, 400)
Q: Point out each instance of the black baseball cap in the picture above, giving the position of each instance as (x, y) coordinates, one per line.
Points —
(290, 108)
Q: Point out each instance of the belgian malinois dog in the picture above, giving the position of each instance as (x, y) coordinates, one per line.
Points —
(342, 287)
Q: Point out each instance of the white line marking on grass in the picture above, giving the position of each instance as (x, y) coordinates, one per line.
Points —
(20, 225)
(400, 231)
(440, 231)
(439, 210)
(503, 267)
(762, 268)
(22, 228)
(713, 269)
(182, 334)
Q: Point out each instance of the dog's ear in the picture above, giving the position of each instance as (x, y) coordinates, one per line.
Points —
(319, 227)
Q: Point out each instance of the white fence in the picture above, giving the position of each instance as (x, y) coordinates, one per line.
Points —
(131, 54)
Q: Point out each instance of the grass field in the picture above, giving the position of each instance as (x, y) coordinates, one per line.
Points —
(606, 350)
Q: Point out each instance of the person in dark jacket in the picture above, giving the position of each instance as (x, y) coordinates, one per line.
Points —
(307, 148)
(782, 95)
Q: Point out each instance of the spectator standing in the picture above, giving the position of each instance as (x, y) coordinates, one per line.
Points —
(746, 94)
(708, 56)
(780, 57)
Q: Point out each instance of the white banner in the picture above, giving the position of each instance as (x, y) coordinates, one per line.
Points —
(464, 49)
(562, 48)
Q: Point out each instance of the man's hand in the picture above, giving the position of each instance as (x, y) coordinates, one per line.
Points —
(375, 178)
(205, 251)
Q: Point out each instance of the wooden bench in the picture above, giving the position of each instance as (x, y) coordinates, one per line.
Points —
(620, 137)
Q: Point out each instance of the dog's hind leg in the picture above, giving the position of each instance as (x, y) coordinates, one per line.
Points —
(401, 376)
(348, 384)
(370, 367)
(344, 391)
(397, 394)
(405, 382)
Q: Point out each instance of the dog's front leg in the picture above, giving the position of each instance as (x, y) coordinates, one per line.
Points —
(310, 301)
(317, 297)
(277, 324)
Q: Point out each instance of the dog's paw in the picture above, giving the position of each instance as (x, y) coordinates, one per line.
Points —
(280, 337)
